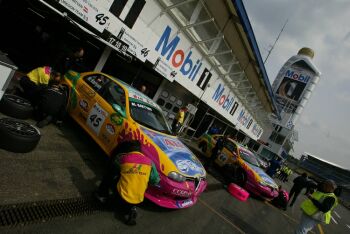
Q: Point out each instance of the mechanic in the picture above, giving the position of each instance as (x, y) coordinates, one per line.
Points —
(72, 60)
(128, 176)
(179, 120)
(37, 80)
(275, 164)
(299, 183)
(51, 105)
(220, 143)
(317, 208)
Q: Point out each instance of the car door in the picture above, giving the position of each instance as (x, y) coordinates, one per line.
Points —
(226, 155)
(113, 100)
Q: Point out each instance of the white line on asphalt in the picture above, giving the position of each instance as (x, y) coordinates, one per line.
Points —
(337, 214)
(348, 226)
(334, 220)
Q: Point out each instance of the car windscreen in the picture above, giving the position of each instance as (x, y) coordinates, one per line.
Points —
(248, 157)
(148, 116)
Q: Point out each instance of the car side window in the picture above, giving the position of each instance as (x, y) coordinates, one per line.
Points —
(96, 81)
(114, 94)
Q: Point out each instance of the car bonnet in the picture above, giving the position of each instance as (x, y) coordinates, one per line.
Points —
(263, 176)
(184, 160)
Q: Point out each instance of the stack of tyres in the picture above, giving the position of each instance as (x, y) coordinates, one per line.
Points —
(17, 135)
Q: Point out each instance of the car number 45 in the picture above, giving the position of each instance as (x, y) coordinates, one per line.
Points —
(96, 118)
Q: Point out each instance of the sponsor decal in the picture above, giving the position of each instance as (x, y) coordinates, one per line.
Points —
(84, 105)
(183, 204)
(181, 193)
(178, 153)
(87, 91)
(110, 129)
(116, 119)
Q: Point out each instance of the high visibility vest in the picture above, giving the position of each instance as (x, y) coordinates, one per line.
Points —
(310, 209)
(135, 170)
(180, 116)
(40, 75)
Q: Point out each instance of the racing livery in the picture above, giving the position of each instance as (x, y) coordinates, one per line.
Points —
(240, 164)
(111, 111)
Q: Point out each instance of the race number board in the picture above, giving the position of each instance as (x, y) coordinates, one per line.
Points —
(96, 118)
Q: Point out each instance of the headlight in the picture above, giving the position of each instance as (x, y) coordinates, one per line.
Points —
(176, 176)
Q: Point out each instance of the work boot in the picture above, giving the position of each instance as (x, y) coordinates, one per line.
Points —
(44, 122)
(131, 217)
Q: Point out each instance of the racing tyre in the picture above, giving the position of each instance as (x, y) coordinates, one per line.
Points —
(18, 136)
(16, 106)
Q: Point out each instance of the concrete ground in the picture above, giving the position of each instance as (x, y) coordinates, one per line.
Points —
(68, 164)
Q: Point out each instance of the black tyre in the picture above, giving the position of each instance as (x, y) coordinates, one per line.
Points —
(18, 136)
(16, 106)
(240, 177)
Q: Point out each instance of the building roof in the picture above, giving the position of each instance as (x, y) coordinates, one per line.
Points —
(326, 161)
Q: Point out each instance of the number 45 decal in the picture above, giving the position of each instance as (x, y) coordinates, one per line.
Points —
(95, 121)
(101, 18)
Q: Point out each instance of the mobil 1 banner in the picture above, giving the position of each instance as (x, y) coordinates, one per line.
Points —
(291, 88)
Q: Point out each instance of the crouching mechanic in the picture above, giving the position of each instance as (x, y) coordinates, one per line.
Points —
(128, 177)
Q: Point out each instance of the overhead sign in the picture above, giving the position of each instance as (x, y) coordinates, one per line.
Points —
(88, 11)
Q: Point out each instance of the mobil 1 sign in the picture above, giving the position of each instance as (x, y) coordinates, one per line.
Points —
(184, 63)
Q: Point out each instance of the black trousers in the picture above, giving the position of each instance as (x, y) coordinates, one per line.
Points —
(109, 182)
(293, 193)
(31, 90)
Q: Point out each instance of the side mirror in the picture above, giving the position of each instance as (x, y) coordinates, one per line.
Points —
(119, 110)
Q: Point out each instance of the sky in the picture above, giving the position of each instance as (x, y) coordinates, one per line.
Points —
(322, 25)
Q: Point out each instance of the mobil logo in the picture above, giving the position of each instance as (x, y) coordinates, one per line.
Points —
(176, 56)
(297, 76)
(257, 130)
(227, 102)
(244, 118)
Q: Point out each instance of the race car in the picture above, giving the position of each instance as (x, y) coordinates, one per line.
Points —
(239, 165)
(111, 112)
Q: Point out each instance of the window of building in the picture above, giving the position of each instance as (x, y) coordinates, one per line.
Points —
(160, 101)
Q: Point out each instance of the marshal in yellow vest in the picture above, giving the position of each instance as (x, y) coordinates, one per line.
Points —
(310, 209)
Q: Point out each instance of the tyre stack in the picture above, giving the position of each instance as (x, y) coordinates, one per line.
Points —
(16, 135)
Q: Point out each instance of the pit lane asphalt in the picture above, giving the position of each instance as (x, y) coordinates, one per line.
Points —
(68, 164)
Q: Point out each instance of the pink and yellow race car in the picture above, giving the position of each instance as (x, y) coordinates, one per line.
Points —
(239, 165)
(111, 111)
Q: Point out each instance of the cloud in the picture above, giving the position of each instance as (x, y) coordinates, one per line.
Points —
(343, 97)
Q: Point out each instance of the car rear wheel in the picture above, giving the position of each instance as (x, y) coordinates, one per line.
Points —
(16, 106)
(240, 177)
(18, 136)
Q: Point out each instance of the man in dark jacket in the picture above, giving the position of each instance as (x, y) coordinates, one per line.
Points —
(219, 145)
(299, 183)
